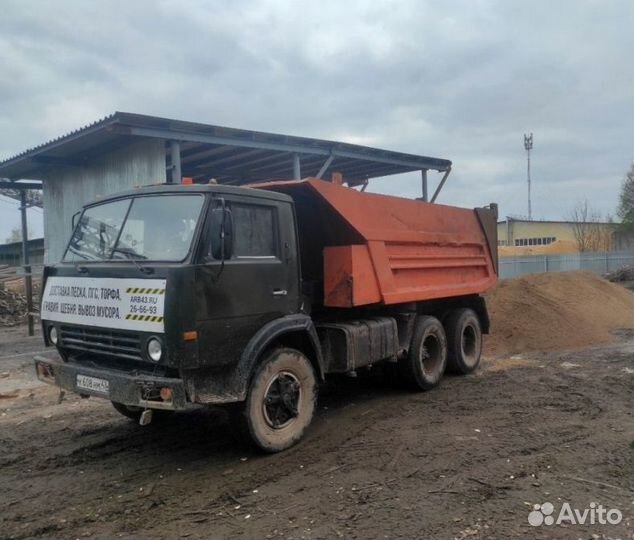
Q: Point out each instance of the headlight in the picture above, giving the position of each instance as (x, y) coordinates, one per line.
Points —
(154, 349)
(52, 335)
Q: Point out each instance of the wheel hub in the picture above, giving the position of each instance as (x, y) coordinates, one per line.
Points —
(281, 400)
(469, 345)
(430, 355)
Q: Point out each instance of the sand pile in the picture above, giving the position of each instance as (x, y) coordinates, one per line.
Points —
(562, 310)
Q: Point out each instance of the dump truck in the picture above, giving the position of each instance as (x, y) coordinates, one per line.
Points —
(175, 296)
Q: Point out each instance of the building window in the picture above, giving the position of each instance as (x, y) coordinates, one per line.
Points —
(538, 241)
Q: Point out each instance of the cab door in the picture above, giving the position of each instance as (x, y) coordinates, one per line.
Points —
(259, 282)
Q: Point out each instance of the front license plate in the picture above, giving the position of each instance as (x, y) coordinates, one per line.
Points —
(93, 383)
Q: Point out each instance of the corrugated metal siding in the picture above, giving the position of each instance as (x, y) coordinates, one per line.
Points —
(67, 190)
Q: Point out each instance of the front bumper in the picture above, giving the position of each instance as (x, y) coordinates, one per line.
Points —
(133, 390)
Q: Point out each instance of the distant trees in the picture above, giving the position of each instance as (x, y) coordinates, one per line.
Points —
(626, 201)
(589, 229)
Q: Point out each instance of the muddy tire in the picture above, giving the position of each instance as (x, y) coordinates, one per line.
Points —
(464, 341)
(281, 400)
(134, 413)
(426, 359)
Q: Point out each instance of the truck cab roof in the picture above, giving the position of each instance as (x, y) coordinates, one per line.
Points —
(218, 189)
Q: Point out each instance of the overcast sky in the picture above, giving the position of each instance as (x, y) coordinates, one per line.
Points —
(462, 80)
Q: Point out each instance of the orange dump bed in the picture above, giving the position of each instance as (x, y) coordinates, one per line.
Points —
(378, 249)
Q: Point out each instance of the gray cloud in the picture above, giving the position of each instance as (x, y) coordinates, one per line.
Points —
(457, 79)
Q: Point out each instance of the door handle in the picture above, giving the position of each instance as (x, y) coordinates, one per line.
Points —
(280, 292)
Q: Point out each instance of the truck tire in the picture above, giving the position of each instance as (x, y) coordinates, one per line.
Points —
(281, 400)
(464, 341)
(426, 358)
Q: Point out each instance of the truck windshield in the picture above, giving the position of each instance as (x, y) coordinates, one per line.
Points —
(152, 228)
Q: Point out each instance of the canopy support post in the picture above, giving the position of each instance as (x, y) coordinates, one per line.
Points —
(423, 174)
(442, 183)
(176, 174)
(28, 280)
(297, 171)
(325, 166)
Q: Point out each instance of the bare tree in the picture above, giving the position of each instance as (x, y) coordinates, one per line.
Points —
(15, 236)
(591, 232)
(626, 201)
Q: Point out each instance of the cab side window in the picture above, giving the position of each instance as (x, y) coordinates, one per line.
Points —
(254, 231)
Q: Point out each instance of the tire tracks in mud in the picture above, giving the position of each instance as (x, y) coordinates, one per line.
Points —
(376, 459)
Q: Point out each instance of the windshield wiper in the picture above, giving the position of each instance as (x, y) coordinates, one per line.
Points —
(128, 252)
(132, 255)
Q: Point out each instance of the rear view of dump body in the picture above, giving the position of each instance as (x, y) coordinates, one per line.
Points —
(365, 249)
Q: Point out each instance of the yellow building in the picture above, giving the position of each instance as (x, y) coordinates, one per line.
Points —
(536, 237)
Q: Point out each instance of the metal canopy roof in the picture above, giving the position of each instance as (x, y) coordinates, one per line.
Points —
(229, 155)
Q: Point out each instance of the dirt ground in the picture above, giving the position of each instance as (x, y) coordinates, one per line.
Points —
(464, 461)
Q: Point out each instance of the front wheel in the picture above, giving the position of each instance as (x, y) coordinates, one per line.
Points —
(281, 400)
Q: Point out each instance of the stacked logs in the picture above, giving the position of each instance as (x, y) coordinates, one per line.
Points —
(12, 307)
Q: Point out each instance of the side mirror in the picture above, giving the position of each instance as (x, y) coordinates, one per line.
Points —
(221, 233)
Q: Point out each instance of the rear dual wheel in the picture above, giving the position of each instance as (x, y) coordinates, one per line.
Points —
(455, 346)
(426, 359)
(464, 339)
